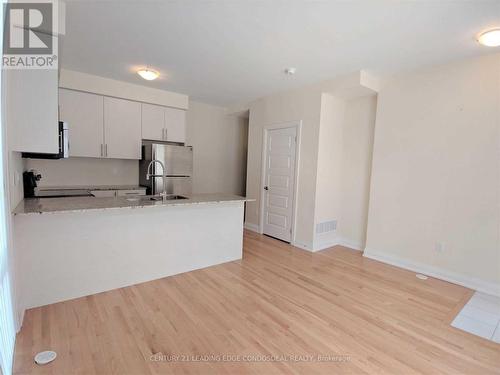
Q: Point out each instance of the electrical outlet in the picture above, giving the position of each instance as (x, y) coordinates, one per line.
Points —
(439, 247)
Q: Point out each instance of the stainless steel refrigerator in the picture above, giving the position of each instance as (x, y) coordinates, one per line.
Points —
(178, 161)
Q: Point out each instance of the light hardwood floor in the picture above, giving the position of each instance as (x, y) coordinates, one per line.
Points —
(277, 301)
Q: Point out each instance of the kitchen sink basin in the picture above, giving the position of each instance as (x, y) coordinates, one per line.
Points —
(170, 197)
(157, 198)
(174, 197)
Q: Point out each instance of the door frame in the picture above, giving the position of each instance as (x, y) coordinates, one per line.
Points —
(265, 130)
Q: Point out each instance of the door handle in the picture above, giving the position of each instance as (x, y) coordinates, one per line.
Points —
(266, 188)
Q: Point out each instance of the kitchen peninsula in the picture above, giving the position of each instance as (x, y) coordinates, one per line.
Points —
(74, 247)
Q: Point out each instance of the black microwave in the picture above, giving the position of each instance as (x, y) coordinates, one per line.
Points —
(63, 146)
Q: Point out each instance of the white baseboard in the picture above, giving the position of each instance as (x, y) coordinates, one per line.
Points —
(252, 227)
(439, 273)
(323, 245)
(329, 242)
(326, 242)
(19, 320)
(350, 244)
(302, 246)
(323, 241)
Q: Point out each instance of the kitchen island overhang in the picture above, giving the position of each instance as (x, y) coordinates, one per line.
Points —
(70, 253)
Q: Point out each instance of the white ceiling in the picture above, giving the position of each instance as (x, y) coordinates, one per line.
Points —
(229, 52)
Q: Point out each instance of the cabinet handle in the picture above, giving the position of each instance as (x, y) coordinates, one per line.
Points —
(102, 152)
(166, 136)
(163, 133)
(106, 150)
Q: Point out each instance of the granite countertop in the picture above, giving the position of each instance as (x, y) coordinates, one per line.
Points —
(93, 187)
(82, 204)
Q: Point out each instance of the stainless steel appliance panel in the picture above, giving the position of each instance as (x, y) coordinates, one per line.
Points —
(178, 160)
(175, 185)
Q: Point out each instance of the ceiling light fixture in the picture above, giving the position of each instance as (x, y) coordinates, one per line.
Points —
(290, 71)
(490, 38)
(148, 74)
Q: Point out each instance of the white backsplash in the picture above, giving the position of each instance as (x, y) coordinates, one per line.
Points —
(85, 171)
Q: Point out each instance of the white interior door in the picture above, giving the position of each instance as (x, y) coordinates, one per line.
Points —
(279, 182)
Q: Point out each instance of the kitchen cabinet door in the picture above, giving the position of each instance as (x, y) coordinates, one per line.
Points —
(31, 110)
(83, 113)
(122, 129)
(153, 122)
(175, 125)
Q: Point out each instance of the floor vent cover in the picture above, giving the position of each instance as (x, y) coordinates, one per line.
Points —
(326, 226)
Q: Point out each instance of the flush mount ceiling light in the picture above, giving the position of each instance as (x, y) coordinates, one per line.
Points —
(148, 74)
(490, 38)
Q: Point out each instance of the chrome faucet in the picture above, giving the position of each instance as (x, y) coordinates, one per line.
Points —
(148, 175)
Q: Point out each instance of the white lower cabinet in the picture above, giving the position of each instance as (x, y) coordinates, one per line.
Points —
(118, 193)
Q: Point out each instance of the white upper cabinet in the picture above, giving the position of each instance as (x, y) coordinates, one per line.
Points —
(106, 127)
(153, 122)
(175, 125)
(31, 110)
(122, 129)
(163, 123)
(84, 114)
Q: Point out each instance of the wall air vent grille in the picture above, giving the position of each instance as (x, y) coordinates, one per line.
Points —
(326, 226)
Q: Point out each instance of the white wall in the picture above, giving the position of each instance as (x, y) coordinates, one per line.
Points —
(329, 168)
(70, 79)
(357, 146)
(15, 176)
(320, 109)
(344, 166)
(10, 313)
(85, 171)
(436, 174)
(293, 106)
(220, 149)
